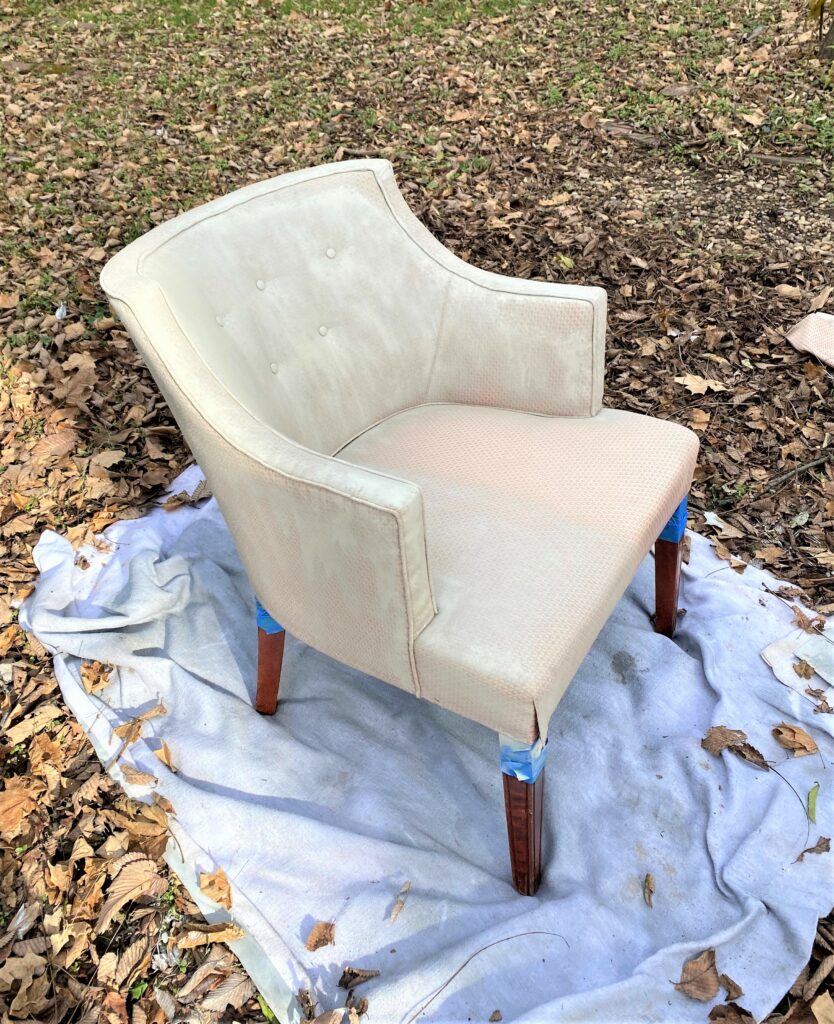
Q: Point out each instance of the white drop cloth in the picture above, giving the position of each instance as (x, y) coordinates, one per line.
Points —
(354, 787)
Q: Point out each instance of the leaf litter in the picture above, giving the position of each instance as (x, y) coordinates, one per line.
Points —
(677, 189)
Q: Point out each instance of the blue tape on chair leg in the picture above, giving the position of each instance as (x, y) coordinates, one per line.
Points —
(266, 621)
(523, 761)
(676, 527)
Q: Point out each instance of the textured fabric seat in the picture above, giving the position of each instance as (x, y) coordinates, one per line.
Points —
(411, 453)
(535, 526)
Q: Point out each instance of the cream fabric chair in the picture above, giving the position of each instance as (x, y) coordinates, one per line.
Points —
(411, 453)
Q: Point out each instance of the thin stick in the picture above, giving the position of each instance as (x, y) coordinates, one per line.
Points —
(777, 480)
(471, 958)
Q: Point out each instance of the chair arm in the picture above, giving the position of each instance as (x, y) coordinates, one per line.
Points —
(517, 344)
(335, 552)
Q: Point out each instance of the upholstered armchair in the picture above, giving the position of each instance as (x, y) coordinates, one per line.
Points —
(411, 453)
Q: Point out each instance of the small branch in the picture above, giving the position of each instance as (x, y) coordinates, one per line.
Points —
(450, 979)
(777, 480)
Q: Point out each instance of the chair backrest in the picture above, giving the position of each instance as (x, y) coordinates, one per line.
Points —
(306, 299)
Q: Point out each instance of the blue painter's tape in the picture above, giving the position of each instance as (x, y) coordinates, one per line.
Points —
(521, 760)
(266, 621)
(676, 527)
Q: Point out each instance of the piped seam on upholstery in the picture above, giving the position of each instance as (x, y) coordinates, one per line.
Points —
(438, 337)
(306, 482)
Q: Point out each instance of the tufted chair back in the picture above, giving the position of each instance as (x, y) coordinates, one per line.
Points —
(305, 303)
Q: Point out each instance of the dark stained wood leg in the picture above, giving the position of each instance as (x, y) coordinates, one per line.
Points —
(667, 574)
(523, 802)
(270, 658)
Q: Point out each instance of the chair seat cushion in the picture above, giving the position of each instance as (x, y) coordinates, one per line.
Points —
(535, 526)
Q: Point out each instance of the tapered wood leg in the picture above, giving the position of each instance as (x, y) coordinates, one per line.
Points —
(523, 802)
(270, 658)
(667, 574)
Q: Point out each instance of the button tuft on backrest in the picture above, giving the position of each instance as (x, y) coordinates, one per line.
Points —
(322, 331)
(260, 285)
(331, 253)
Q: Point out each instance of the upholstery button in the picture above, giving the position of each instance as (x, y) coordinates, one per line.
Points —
(260, 285)
(219, 319)
(331, 253)
(273, 367)
(322, 331)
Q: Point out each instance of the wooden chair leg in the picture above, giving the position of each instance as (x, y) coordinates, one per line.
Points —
(522, 765)
(523, 802)
(667, 574)
(667, 571)
(271, 637)
(270, 658)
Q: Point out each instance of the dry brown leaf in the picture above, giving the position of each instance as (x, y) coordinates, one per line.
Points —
(32, 724)
(822, 845)
(330, 1017)
(699, 978)
(725, 555)
(216, 887)
(496, 1016)
(648, 889)
(323, 933)
(135, 880)
(802, 669)
(730, 1013)
(788, 291)
(820, 300)
(17, 801)
(732, 988)
(236, 990)
(700, 385)
(136, 777)
(132, 960)
(791, 737)
(353, 976)
(55, 446)
(164, 755)
(719, 738)
(399, 903)
(806, 623)
(196, 935)
(823, 1008)
(95, 676)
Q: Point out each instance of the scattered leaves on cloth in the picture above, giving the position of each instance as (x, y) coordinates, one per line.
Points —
(807, 623)
(803, 669)
(399, 902)
(729, 1013)
(719, 738)
(194, 935)
(323, 933)
(792, 737)
(95, 676)
(699, 978)
(353, 976)
(732, 988)
(216, 887)
(822, 845)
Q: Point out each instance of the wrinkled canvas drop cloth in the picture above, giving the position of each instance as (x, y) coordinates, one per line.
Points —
(324, 811)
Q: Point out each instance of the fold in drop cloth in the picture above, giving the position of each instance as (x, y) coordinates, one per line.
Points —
(354, 787)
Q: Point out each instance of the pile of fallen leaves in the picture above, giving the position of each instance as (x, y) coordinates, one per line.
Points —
(678, 155)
